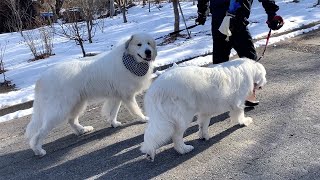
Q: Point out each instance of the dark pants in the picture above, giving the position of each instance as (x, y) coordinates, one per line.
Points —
(240, 40)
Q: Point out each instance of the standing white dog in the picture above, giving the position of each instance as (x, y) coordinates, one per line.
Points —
(176, 96)
(62, 93)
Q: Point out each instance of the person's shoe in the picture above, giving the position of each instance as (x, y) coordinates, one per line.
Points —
(251, 103)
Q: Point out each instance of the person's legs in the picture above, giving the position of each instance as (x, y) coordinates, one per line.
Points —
(221, 48)
(243, 44)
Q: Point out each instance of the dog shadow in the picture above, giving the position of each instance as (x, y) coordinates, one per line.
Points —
(120, 160)
(165, 160)
(60, 146)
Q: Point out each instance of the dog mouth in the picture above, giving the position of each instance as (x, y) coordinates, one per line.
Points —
(148, 58)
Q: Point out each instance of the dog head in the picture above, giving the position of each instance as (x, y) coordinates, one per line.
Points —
(142, 47)
(260, 77)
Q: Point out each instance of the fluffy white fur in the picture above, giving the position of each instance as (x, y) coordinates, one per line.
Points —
(62, 93)
(177, 95)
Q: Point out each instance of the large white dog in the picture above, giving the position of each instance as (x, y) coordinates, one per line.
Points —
(62, 93)
(177, 95)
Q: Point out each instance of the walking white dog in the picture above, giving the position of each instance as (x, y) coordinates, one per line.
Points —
(62, 93)
(176, 96)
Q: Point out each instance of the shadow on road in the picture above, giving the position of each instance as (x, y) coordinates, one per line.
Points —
(118, 160)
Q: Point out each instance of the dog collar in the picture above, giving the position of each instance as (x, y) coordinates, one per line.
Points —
(136, 68)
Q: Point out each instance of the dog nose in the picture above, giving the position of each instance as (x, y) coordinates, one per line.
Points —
(148, 52)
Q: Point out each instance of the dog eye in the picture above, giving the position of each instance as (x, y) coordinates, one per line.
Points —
(139, 44)
(148, 43)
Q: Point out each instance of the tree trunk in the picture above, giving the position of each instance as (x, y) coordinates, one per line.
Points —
(176, 15)
(89, 18)
(111, 8)
(58, 7)
(123, 5)
(82, 47)
(89, 28)
(55, 15)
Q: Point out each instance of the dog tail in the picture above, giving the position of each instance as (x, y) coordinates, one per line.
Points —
(36, 122)
(159, 129)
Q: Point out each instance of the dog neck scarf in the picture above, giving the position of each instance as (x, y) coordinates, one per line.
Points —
(136, 68)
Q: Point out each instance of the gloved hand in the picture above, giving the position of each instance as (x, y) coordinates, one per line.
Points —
(201, 19)
(275, 22)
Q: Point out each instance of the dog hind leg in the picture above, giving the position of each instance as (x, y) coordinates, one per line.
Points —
(185, 118)
(177, 139)
(134, 108)
(74, 119)
(157, 133)
(51, 121)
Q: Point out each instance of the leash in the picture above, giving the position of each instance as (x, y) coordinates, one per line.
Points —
(265, 47)
(176, 32)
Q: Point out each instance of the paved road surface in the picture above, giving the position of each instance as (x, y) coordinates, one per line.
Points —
(282, 143)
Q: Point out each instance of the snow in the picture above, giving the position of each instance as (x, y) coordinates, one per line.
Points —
(15, 115)
(157, 23)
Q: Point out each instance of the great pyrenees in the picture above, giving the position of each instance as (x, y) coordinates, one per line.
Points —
(177, 95)
(63, 92)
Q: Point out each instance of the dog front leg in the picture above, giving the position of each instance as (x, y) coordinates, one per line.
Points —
(203, 121)
(134, 108)
(237, 115)
(110, 109)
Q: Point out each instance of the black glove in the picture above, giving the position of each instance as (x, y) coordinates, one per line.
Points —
(275, 22)
(201, 19)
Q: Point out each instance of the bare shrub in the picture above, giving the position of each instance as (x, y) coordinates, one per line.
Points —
(75, 31)
(6, 85)
(39, 41)
(21, 14)
(81, 19)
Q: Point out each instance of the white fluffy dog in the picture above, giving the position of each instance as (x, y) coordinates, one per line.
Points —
(63, 92)
(177, 95)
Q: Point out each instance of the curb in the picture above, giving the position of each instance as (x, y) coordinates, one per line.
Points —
(17, 107)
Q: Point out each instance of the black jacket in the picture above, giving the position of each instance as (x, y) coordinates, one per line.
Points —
(220, 7)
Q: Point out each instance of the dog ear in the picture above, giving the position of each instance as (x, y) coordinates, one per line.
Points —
(128, 42)
(260, 78)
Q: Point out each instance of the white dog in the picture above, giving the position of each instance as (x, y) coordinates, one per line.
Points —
(62, 93)
(176, 96)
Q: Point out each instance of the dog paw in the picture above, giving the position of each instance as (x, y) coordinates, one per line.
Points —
(150, 152)
(246, 121)
(116, 124)
(145, 119)
(184, 149)
(40, 152)
(85, 130)
(203, 135)
(150, 157)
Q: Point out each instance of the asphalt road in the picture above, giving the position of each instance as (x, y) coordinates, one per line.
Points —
(282, 143)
